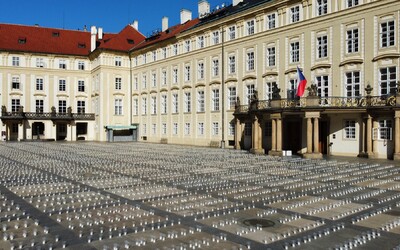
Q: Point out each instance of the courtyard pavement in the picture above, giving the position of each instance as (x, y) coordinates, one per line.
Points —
(88, 195)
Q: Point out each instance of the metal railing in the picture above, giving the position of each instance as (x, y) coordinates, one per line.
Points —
(47, 116)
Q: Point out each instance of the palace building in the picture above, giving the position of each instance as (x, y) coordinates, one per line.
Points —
(226, 78)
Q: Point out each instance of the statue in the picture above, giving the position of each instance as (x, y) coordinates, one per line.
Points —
(275, 91)
(69, 110)
(254, 98)
(398, 87)
(237, 103)
(3, 109)
(312, 90)
(21, 110)
(53, 110)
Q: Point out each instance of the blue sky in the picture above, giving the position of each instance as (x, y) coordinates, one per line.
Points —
(111, 15)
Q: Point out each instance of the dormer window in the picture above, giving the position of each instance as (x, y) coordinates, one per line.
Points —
(81, 45)
(130, 41)
(22, 40)
(56, 34)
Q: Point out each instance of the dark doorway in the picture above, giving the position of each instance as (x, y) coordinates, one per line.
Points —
(292, 130)
(81, 131)
(38, 130)
(323, 137)
(61, 131)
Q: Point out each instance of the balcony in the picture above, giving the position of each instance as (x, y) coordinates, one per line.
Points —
(46, 116)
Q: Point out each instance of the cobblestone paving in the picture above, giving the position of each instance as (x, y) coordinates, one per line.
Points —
(134, 195)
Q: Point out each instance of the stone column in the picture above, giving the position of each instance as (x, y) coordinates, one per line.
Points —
(276, 148)
(73, 131)
(279, 134)
(369, 135)
(309, 135)
(273, 135)
(21, 131)
(255, 137)
(397, 135)
(260, 134)
(238, 134)
(316, 135)
(312, 135)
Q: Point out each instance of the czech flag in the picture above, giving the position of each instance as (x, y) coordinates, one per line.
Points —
(301, 83)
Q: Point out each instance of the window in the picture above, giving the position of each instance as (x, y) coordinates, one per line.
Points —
(249, 92)
(154, 80)
(118, 83)
(231, 129)
(175, 103)
(144, 105)
(215, 100)
(187, 45)
(294, 52)
(175, 128)
(200, 101)
(164, 104)
(350, 129)
(118, 107)
(187, 73)
(292, 89)
(40, 62)
(322, 85)
(15, 61)
(232, 32)
(153, 105)
(187, 128)
(62, 64)
(154, 55)
(215, 37)
(387, 34)
(144, 58)
(384, 130)
(164, 53)
(232, 97)
(215, 67)
(200, 42)
(271, 57)
(232, 64)
(118, 61)
(164, 128)
(144, 129)
(15, 104)
(135, 106)
(268, 90)
(200, 70)
(15, 84)
(81, 65)
(352, 3)
(294, 14)
(62, 106)
(39, 84)
(154, 128)
(144, 81)
(81, 86)
(387, 81)
(215, 128)
(271, 21)
(322, 46)
(135, 83)
(353, 84)
(322, 7)
(175, 76)
(250, 61)
(250, 27)
(352, 40)
(39, 106)
(188, 102)
(62, 85)
(175, 49)
(200, 128)
(164, 77)
(80, 107)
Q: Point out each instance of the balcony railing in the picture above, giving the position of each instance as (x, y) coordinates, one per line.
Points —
(47, 116)
(322, 102)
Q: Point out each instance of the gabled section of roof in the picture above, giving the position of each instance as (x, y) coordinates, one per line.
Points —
(123, 41)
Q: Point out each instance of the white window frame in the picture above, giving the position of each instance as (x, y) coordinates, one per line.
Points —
(321, 7)
(352, 40)
(271, 56)
(187, 73)
(118, 83)
(200, 42)
(118, 106)
(200, 101)
(188, 102)
(164, 104)
(250, 61)
(215, 128)
(215, 100)
(250, 27)
(349, 130)
(232, 32)
(322, 46)
(388, 80)
(232, 64)
(200, 71)
(271, 21)
(215, 37)
(232, 97)
(175, 103)
(352, 83)
(200, 128)
(294, 52)
(215, 67)
(153, 105)
(294, 14)
(387, 34)
(144, 105)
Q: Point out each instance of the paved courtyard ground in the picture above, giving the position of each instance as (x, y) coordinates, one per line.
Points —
(135, 195)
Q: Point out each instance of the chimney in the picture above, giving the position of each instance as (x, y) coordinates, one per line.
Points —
(236, 2)
(204, 8)
(84, 28)
(100, 33)
(164, 24)
(93, 32)
(186, 15)
(135, 25)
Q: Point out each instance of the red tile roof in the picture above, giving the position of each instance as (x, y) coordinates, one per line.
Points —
(20, 38)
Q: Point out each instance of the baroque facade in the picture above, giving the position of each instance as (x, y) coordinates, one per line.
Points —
(227, 78)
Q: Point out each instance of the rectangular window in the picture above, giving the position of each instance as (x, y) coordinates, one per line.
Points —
(15, 104)
(200, 42)
(250, 61)
(118, 83)
(118, 61)
(118, 107)
(62, 106)
(271, 21)
(39, 84)
(292, 89)
(175, 49)
(153, 105)
(39, 106)
(215, 67)
(175, 128)
(215, 128)
(175, 104)
(215, 100)
(15, 84)
(154, 55)
(81, 65)
(15, 61)
(164, 53)
(294, 52)
(187, 128)
(387, 34)
(81, 86)
(353, 84)
(232, 32)
(232, 97)
(188, 102)
(232, 64)
(153, 80)
(388, 81)
(154, 128)
(80, 107)
(164, 104)
(144, 58)
(231, 129)
(62, 64)
(322, 85)
(144, 81)
(62, 85)
(135, 106)
(187, 73)
(200, 101)
(322, 46)
(200, 128)
(352, 3)
(271, 57)
(175, 76)
(144, 106)
(250, 27)
(187, 45)
(135, 83)
(215, 37)
(385, 130)
(352, 40)
(200, 70)
(164, 77)
(249, 92)
(40, 62)
(164, 128)
(294, 14)
(144, 129)
(322, 7)
(350, 129)
(268, 90)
